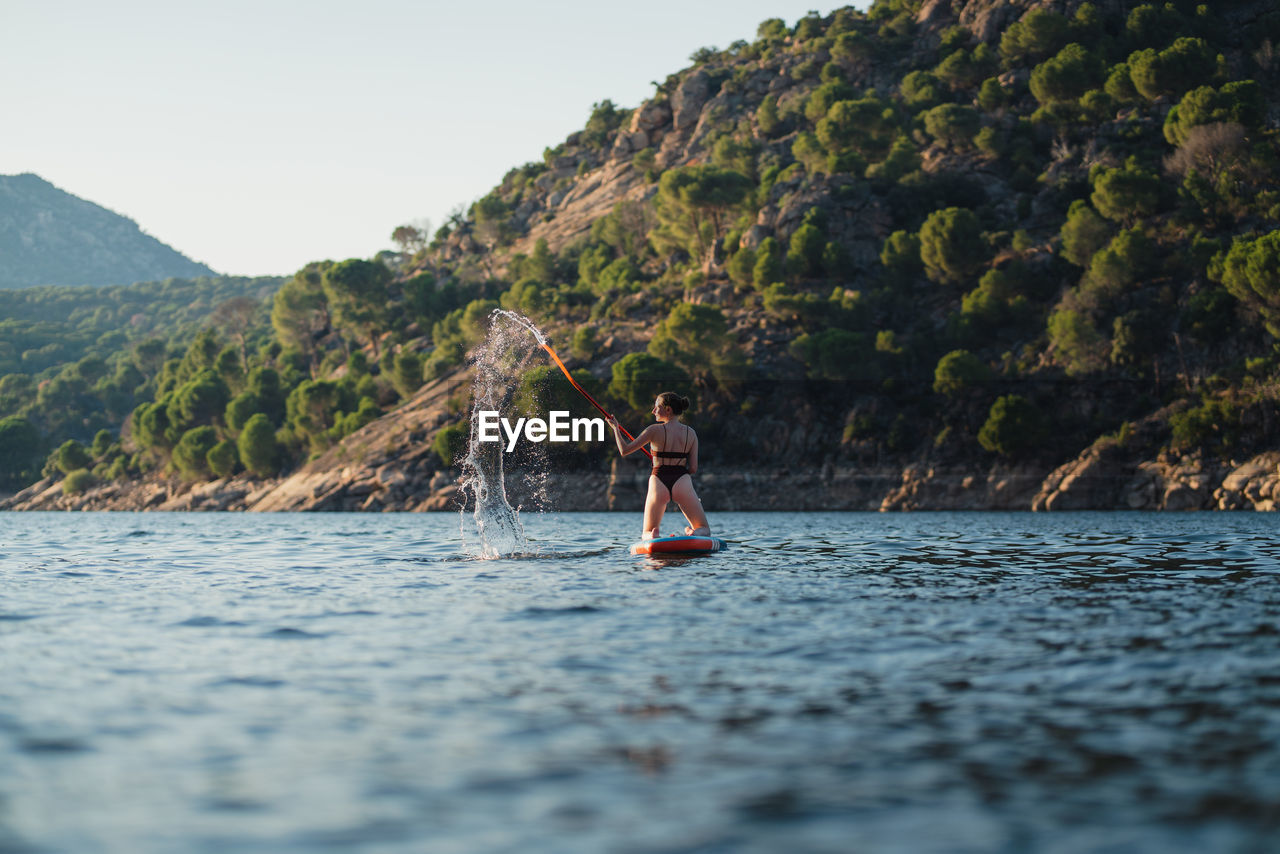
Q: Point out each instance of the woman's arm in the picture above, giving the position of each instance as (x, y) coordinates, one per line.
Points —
(625, 447)
(693, 454)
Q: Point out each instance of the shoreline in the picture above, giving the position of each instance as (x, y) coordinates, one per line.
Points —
(1094, 481)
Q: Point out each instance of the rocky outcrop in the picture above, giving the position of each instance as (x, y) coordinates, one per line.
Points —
(988, 20)
(571, 212)
(1096, 479)
(1173, 485)
(690, 97)
(1103, 479)
(1118, 472)
(1253, 485)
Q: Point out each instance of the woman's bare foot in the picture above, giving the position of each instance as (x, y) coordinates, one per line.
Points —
(697, 532)
(650, 535)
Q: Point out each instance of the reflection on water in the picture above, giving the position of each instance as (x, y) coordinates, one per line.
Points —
(834, 682)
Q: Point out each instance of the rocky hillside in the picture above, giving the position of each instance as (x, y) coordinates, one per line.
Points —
(50, 237)
(1084, 283)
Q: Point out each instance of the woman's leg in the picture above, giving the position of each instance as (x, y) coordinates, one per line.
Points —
(691, 506)
(655, 504)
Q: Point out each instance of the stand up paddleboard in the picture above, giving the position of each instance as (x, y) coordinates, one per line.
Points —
(678, 546)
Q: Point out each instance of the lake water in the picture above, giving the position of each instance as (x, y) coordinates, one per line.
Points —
(832, 683)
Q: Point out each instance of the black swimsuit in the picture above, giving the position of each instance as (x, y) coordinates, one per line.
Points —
(669, 473)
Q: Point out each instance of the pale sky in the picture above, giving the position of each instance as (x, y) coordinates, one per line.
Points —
(258, 135)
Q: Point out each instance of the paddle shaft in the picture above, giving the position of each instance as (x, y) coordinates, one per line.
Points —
(591, 399)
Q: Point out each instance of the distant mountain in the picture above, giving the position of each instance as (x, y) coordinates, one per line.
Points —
(50, 237)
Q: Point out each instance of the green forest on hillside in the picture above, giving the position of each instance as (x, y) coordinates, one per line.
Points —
(937, 246)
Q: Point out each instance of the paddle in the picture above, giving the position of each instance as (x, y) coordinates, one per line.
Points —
(592, 400)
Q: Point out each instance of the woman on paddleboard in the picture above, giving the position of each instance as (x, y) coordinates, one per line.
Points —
(675, 458)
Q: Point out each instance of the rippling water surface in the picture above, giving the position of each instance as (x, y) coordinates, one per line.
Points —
(833, 683)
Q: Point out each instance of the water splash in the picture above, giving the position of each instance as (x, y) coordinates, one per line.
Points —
(499, 362)
(521, 320)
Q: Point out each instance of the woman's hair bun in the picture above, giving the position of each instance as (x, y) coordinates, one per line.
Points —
(677, 403)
